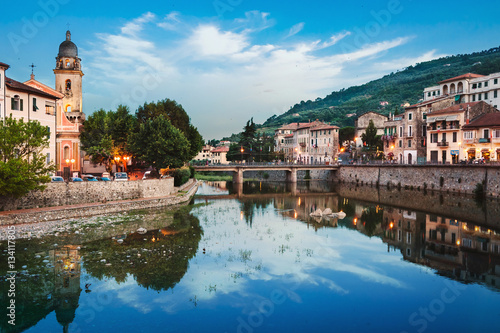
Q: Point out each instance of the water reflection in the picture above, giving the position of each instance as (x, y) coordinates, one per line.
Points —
(209, 267)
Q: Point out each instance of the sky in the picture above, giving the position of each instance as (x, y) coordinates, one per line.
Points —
(226, 61)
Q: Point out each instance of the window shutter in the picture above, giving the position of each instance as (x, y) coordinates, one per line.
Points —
(12, 103)
(21, 108)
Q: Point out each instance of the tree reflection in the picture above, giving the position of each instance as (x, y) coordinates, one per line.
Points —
(158, 259)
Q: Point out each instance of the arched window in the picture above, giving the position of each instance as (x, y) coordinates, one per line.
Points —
(460, 88)
(68, 108)
(445, 90)
(68, 84)
(68, 63)
(452, 88)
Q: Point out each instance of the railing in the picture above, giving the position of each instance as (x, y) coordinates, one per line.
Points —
(484, 140)
(442, 144)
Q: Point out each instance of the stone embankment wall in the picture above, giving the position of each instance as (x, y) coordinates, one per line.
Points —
(62, 194)
(280, 175)
(70, 212)
(447, 178)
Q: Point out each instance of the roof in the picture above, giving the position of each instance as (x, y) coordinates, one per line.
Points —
(68, 48)
(324, 127)
(461, 77)
(2, 64)
(289, 136)
(16, 85)
(291, 126)
(453, 109)
(430, 101)
(376, 113)
(485, 120)
(221, 150)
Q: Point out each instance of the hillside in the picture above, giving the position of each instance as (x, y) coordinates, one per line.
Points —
(404, 86)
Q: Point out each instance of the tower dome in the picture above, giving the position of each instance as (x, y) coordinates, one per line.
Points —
(68, 48)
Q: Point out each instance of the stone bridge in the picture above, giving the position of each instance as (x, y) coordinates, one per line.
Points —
(291, 169)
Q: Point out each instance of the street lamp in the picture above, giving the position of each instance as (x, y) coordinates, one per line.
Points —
(126, 159)
(117, 161)
(241, 150)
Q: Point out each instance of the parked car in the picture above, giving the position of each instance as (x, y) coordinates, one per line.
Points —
(103, 179)
(121, 176)
(89, 178)
(56, 179)
(75, 179)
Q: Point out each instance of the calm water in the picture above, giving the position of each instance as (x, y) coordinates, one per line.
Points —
(252, 259)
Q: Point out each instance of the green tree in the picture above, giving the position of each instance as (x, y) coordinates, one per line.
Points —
(23, 166)
(159, 144)
(346, 134)
(105, 135)
(371, 140)
(178, 117)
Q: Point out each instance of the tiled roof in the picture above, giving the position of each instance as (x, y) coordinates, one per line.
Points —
(289, 136)
(430, 101)
(324, 127)
(16, 85)
(453, 109)
(485, 120)
(2, 64)
(221, 150)
(460, 77)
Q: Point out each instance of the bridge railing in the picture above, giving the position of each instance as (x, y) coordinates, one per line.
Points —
(266, 164)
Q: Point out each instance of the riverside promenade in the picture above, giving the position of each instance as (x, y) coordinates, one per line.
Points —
(183, 195)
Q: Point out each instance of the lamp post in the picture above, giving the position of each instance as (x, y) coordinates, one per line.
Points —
(117, 161)
(125, 159)
(241, 150)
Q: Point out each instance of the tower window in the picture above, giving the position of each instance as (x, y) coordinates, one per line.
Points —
(68, 63)
(68, 108)
(68, 84)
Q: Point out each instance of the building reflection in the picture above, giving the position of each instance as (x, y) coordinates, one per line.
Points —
(54, 285)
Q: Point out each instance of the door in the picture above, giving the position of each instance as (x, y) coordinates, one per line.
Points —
(443, 154)
(434, 156)
(410, 159)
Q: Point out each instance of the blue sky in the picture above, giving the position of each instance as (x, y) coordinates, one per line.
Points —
(226, 61)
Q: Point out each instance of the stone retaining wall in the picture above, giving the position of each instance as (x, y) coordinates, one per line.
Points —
(62, 194)
(60, 213)
(448, 178)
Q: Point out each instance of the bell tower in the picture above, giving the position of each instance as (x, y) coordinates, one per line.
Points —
(70, 114)
(69, 75)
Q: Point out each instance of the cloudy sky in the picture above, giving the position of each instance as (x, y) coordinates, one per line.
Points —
(226, 61)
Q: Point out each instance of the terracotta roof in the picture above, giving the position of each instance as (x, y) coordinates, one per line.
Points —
(2, 64)
(16, 85)
(324, 127)
(289, 136)
(292, 126)
(460, 77)
(453, 109)
(220, 150)
(485, 120)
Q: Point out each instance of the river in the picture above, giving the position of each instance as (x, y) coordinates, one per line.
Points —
(251, 258)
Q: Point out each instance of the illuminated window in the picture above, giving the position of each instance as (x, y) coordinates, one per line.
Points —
(68, 108)
(68, 84)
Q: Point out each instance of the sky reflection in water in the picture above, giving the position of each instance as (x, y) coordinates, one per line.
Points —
(254, 267)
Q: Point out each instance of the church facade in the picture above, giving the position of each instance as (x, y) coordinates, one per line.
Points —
(58, 108)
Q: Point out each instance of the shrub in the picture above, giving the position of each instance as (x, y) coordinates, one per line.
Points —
(192, 171)
(266, 175)
(181, 176)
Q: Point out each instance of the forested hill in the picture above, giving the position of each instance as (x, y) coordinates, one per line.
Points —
(405, 86)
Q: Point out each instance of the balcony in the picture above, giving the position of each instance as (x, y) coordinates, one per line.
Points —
(484, 140)
(443, 144)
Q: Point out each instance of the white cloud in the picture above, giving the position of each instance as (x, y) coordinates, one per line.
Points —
(223, 74)
(208, 40)
(136, 25)
(295, 29)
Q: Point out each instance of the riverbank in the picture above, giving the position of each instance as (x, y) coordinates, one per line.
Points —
(182, 195)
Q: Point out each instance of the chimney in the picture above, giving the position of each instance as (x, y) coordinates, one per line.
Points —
(467, 115)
